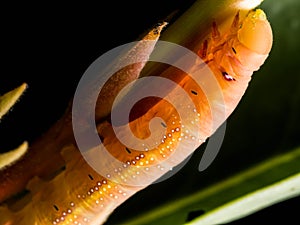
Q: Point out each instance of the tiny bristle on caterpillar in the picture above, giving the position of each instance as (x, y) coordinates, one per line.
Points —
(80, 195)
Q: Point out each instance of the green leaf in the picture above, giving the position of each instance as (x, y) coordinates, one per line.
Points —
(246, 192)
(252, 202)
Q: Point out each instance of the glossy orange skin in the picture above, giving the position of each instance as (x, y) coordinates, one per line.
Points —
(80, 194)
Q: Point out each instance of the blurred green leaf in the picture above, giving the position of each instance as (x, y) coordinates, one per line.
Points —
(236, 190)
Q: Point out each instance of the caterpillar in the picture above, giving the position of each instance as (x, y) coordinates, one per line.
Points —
(78, 194)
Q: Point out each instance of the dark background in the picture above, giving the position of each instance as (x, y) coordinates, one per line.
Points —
(50, 45)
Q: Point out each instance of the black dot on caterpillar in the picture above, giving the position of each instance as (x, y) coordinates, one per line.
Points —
(128, 150)
(233, 49)
(55, 207)
(194, 92)
(91, 177)
(163, 124)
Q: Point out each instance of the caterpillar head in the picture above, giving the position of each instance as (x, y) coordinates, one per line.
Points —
(256, 33)
(254, 40)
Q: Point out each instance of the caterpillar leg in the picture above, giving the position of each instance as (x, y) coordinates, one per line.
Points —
(235, 23)
(203, 51)
(215, 34)
(208, 49)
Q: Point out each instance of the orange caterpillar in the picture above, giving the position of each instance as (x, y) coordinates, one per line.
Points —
(79, 195)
